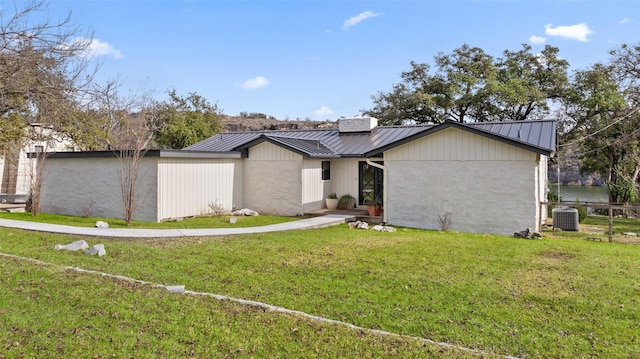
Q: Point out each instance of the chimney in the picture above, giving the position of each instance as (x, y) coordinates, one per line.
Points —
(357, 124)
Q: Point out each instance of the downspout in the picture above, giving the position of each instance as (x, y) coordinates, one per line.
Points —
(384, 184)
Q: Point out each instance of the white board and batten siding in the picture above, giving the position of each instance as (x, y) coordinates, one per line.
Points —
(485, 185)
(273, 180)
(314, 188)
(345, 177)
(191, 186)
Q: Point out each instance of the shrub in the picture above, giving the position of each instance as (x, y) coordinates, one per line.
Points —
(347, 201)
(582, 211)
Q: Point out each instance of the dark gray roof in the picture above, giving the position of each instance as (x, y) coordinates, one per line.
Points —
(537, 136)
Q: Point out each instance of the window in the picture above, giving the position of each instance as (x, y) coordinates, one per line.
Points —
(39, 148)
(326, 170)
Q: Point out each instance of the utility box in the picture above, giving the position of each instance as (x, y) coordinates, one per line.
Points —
(565, 218)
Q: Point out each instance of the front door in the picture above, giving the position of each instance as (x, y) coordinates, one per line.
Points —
(371, 185)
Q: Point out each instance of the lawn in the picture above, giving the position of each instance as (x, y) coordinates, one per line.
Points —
(528, 298)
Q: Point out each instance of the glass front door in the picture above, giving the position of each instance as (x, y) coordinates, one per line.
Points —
(371, 185)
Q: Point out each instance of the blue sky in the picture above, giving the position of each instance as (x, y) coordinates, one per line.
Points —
(325, 59)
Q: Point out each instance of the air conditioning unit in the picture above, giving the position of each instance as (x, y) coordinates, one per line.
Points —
(565, 218)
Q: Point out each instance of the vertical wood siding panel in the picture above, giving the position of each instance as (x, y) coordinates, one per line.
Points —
(457, 145)
(188, 185)
(313, 187)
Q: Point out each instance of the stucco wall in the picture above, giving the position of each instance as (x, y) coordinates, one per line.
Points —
(487, 186)
(187, 186)
(273, 180)
(81, 186)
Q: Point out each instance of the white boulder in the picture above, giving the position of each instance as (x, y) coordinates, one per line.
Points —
(74, 246)
(244, 212)
(96, 249)
(382, 228)
(359, 225)
(101, 224)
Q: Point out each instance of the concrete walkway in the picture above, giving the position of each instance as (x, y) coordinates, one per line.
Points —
(308, 223)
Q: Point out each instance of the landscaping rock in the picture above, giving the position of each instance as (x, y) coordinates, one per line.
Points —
(630, 234)
(528, 234)
(101, 224)
(175, 288)
(244, 212)
(381, 228)
(359, 225)
(96, 249)
(74, 246)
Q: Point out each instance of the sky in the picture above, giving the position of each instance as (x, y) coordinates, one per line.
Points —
(319, 60)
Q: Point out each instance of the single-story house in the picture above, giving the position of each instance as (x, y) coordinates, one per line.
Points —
(486, 177)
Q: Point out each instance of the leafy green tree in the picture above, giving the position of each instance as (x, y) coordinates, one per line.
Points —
(454, 92)
(526, 83)
(187, 120)
(471, 86)
(595, 109)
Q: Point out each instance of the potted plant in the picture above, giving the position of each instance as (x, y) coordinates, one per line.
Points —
(347, 202)
(332, 201)
(374, 207)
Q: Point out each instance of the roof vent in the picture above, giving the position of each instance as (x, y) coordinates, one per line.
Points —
(357, 124)
(565, 218)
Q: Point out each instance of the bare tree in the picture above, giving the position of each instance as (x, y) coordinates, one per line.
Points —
(129, 123)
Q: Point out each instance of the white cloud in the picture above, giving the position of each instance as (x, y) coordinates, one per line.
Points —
(323, 111)
(537, 39)
(95, 48)
(625, 20)
(578, 32)
(354, 20)
(255, 83)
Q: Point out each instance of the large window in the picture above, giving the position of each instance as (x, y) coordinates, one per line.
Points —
(326, 170)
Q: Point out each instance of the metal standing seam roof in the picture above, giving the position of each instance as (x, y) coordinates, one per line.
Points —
(538, 136)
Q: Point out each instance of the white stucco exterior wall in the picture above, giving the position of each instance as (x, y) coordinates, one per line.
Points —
(273, 180)
(81, 186)
(486, 185)
(186, 186)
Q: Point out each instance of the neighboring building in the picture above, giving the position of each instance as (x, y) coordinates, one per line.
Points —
(490, 177)
(16, 168)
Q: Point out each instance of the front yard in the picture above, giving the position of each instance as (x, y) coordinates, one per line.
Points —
(559, 297)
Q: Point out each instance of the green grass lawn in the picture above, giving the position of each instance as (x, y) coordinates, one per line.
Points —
(528, 298)
(195, 222)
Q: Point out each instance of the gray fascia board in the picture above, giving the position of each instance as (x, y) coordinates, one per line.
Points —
(149, 153)
(463, 127)
(199, 154)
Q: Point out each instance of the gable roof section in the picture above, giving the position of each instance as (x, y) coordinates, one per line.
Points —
(536, 136)
(304, 147)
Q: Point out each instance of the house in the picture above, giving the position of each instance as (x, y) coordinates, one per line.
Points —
(486, 177)
(16, 168)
